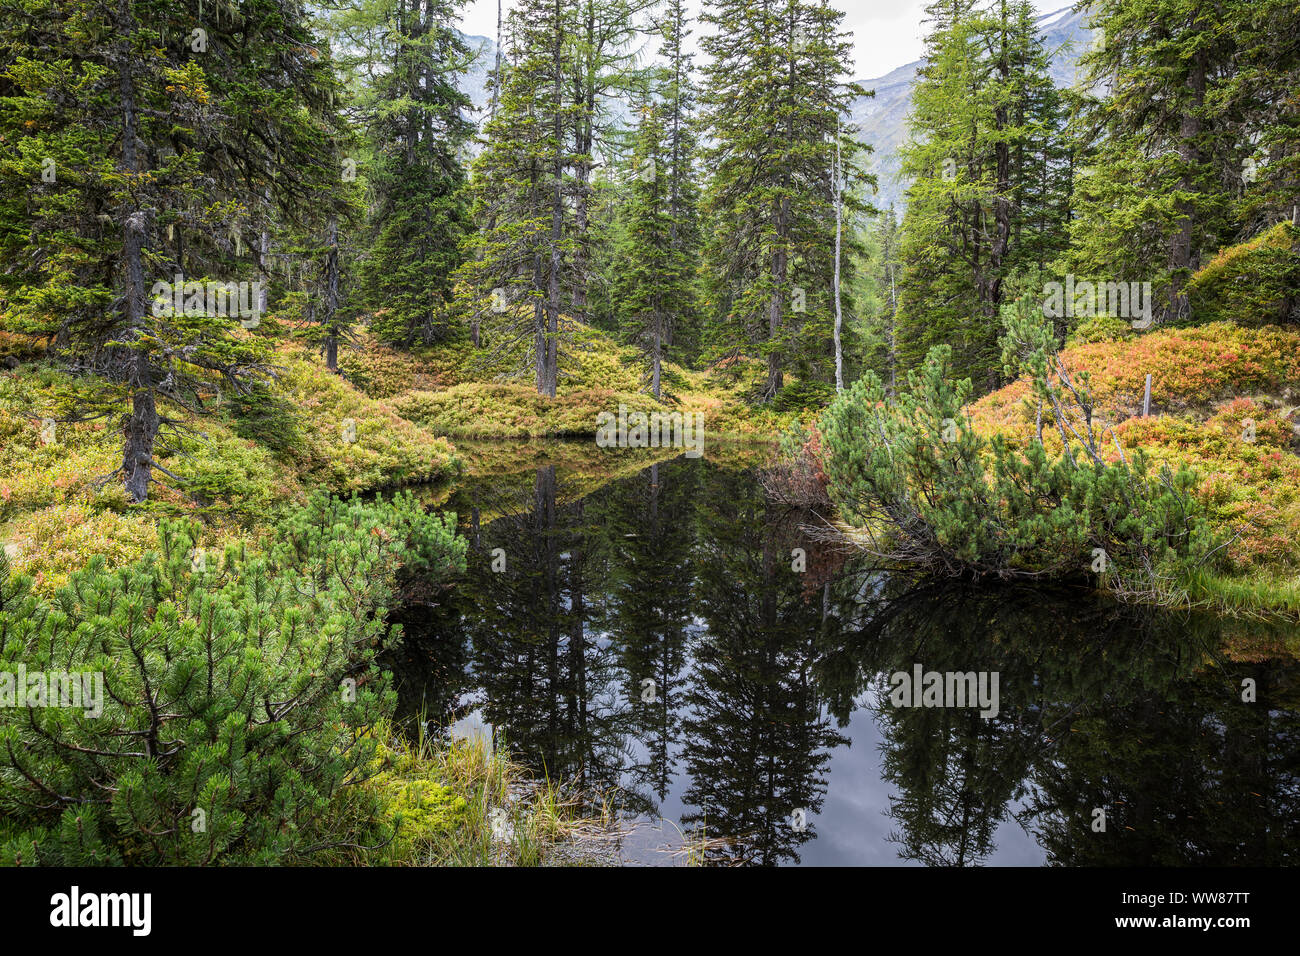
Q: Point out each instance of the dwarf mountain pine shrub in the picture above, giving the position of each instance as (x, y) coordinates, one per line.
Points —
(929, 491)
(237, 690)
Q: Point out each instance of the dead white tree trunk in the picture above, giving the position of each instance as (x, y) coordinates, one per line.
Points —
(839, 217)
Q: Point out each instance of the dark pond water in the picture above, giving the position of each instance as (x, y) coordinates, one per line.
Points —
(650, 637)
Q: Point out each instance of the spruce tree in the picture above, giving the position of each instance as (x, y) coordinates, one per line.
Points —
(601, 64)
(680, 97)
(161, 136)
(988, 179)
(1153, 154)
(653, 255)
(651, 276)
(517, 265)
(774, 100)
(416, 120)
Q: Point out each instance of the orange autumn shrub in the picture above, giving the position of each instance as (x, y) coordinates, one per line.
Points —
(1243, 448)
(1189, 368)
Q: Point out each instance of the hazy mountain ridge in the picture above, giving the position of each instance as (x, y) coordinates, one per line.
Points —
(882, 119)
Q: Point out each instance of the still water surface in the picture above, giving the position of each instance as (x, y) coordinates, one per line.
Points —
(650, 637)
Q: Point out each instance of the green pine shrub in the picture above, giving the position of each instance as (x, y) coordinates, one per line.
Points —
(238, 692)
(925, 489)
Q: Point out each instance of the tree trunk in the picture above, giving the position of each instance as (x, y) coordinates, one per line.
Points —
(1002, 197)
(331, 304)
(539, 325)
(551, 359)
(839, 219)
(780, 263)
(775, 379)
(141, 431)
(887, 254)
(496, 91)
(141, 426)
(264, 256)
(657, 357)
(1181, 253)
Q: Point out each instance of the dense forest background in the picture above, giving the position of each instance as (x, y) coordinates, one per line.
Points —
(367, 163)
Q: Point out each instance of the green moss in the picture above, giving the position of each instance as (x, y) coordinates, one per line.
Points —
(1253, 283)
(420, 811)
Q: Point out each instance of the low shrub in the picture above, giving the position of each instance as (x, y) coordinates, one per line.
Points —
(505, 409)
(1100, 328)
(388, 450)
(51, 543)
(799, 478)
(1253, 283)
(234, 698)
(934, 493)
(379, 371)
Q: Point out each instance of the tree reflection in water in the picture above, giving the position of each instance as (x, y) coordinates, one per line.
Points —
(650, 638)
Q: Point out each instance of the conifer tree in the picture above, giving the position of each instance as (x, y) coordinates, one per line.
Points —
(1263, 114)
(680, 97)
(774, 98)
(602, 64)
(883, 270)
(1153, 151)
(416, 120)
(657, 236)
(985, 164)
(651, 275)
(161, 138)
(516, 267)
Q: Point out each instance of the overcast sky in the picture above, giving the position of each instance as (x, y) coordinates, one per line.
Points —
(887, 33)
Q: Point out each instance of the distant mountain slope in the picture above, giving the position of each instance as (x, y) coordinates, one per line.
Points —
(882, 119)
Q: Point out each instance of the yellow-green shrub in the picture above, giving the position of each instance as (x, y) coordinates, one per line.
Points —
(389, 450)
(1253, 283)
(379, 371)
(55, 541)
(504, 409)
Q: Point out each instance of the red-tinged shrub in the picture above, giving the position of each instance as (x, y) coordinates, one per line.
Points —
(800, 479)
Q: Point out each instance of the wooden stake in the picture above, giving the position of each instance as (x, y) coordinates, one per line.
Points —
(1146, 401)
